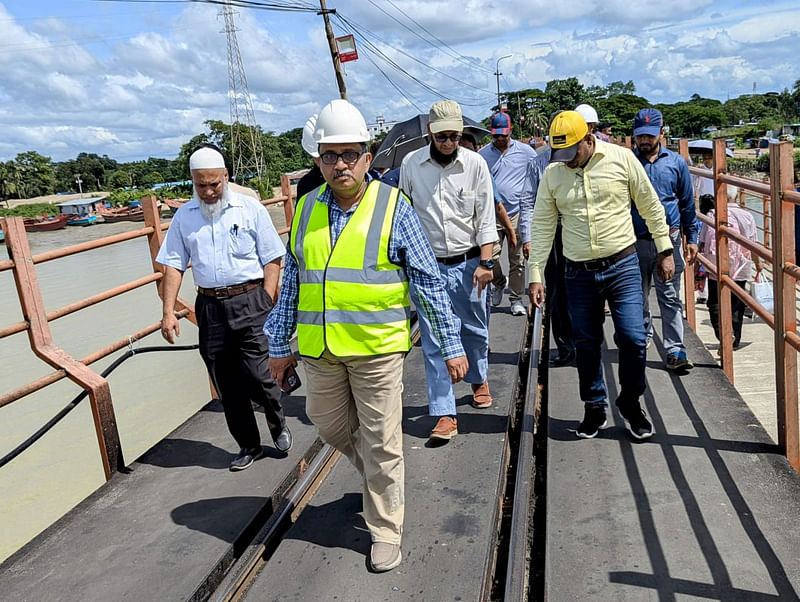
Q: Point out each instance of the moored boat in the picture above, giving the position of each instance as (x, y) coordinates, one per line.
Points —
(85, 220)
(45, 224)
(123, 214)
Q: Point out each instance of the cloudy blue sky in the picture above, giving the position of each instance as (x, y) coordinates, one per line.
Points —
(137, 79)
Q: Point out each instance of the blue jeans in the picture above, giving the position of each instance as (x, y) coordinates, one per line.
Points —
(587, 292)
(668, 293)
(457, 280)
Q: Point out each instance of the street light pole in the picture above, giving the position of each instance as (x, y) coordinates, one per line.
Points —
(498, 74)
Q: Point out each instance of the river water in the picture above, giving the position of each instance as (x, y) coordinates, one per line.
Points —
(152, 393)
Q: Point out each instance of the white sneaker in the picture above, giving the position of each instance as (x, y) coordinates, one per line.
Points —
(518, 309)
(497, 293)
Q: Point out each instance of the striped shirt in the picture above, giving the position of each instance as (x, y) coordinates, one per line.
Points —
(408, 247)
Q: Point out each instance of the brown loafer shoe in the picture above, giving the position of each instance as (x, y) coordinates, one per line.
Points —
(481, 398)
(446, 428)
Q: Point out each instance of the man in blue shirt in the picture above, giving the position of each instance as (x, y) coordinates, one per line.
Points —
(516, 169)
(235, 254)
(670, 178)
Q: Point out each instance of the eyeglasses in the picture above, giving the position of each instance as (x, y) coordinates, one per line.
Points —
(500, 135)
(349, 157)
(442, 138)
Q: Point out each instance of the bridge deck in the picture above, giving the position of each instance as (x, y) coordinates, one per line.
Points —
(158, 532)
(706, 509)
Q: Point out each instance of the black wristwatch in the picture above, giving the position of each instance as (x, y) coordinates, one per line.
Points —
(487, 263)
(666, 253)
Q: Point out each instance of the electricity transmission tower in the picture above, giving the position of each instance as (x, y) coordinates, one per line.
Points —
(246, 148)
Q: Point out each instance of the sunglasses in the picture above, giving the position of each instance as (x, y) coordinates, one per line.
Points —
(349, 157)
(500, 135)
(442, 138)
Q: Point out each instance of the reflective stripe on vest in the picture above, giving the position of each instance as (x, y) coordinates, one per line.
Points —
(352, 299)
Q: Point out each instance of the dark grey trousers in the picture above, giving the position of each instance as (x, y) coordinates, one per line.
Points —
(236, 353)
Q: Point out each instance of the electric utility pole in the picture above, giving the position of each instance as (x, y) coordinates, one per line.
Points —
(337, 65)
(498, 74)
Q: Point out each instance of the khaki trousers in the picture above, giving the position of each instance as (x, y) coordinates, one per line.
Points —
(356, 404)
(516, 262)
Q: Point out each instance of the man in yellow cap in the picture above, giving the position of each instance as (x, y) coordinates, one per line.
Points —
(591, 184)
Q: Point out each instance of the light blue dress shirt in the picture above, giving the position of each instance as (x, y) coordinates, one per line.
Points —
(232, 249)
(516, 173)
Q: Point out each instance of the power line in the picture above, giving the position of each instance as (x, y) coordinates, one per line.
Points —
(370, 46)
(454, 53)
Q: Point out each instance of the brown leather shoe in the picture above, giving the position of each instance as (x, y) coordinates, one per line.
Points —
(446, 428)
(481, 398)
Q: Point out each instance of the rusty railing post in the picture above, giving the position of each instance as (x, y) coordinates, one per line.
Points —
(152, 218)
(723, 260)
(288, 204)
(785, 311)
(33, 310)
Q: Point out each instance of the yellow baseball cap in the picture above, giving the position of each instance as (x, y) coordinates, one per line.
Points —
(566, 131)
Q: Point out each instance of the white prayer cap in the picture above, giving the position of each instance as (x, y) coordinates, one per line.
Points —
(206, 158)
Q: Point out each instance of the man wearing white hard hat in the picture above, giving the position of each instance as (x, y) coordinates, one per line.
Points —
(235, 253)
(355, 248)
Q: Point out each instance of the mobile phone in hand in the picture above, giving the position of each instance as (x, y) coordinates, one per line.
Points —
(290, 381)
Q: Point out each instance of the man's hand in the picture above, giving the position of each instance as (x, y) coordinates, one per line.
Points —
(691, 253)
(526, 250)
(457, 367)
(170, 328)
(536, 294)
(279, 365)
(666, 267)
(512, 238)
(481, 278)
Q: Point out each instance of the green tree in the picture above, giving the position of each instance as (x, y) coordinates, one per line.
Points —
(119, 179)
(34, 173)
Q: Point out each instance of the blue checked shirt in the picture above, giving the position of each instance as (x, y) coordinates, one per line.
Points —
(408, 247)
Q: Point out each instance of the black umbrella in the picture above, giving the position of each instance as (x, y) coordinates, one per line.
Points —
(410, 135)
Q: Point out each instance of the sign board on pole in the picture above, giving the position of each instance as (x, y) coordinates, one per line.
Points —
(346, 47)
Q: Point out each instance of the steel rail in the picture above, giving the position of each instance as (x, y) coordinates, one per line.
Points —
(517, 570)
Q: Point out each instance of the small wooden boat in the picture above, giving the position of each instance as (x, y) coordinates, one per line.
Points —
(123, 214)
(175, 204)
(45, 224)
(86, 220)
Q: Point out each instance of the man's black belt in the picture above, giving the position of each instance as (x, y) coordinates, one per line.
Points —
(225, 292)
(471, 254)
(595, 265)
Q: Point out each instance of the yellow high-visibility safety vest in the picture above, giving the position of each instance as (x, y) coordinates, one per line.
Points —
(352, 299)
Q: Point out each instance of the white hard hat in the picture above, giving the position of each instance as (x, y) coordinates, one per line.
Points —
(588, 113)
(309, 144)
(339, 122)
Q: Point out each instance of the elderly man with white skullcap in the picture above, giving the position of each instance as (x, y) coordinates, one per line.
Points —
(235, 253)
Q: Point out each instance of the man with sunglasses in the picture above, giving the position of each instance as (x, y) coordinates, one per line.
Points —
(355, 248)
(516, 169)
(451, 190)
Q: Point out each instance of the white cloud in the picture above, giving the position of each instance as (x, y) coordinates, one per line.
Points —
(71, 86)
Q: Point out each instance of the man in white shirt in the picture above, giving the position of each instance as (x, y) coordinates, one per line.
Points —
(451, 191)
(235, 253)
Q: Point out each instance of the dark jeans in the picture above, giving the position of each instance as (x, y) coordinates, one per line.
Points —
(557, 297)
(737, 309)
(587, 291)
(236, 353)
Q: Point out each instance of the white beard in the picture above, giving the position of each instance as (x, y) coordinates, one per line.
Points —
(211, 211)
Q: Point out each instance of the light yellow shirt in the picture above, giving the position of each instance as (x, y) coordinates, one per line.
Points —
(595, 207)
